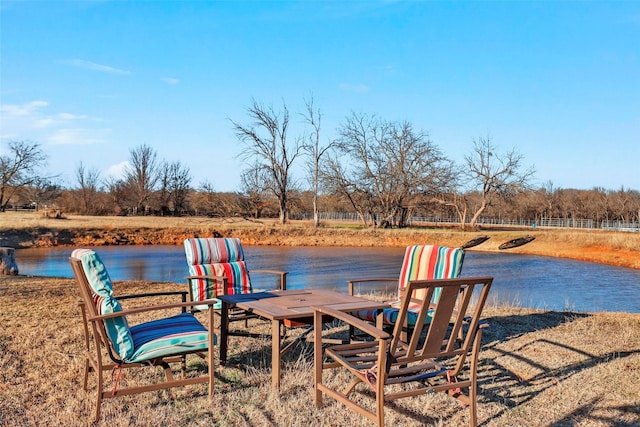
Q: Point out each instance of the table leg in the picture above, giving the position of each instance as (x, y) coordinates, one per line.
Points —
(224, 332)
(275, 354)
(380, 319)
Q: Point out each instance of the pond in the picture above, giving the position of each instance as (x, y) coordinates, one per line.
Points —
(520, 280)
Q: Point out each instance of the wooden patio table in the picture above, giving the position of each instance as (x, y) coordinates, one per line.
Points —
(278, 306)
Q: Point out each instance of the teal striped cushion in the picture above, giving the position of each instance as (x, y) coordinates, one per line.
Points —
(170, 336)
(390, 315)
(117, 328)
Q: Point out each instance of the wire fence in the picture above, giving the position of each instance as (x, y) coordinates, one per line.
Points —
(630, 226)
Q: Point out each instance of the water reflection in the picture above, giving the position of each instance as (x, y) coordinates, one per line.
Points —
(528, 281)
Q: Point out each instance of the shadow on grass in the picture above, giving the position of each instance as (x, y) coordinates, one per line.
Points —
(499, 383)
(589, 414)
(509, 388)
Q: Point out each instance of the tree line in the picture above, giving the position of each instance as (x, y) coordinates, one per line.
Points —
(384, 171)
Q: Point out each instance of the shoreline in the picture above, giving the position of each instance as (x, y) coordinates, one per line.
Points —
(28, 230)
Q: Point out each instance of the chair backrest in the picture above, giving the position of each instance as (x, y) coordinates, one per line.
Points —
(425, 262)
(454, 320)
(96, 289)
(216, 257)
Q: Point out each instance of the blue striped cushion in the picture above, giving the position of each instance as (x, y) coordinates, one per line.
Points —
(117, 328)
(170, 336)
(390, 315)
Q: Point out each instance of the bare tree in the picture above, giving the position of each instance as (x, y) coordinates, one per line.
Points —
(253, 187)
(383, 167)
(494, 174)
(265, 140)
(41, 192)
(88, 180)
(205, 200)
(18, 169)
(142, 175)
(119, 193)
(175, 179)
(313, 117)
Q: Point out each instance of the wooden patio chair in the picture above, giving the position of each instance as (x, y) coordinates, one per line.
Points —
(441, 356)
(112, 345)
(420, 262)
(217, 267)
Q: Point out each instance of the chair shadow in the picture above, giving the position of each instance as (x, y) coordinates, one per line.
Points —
(585, 412)
(494, 377)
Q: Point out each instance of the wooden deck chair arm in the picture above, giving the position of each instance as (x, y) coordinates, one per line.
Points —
(137, 310)
(365, 327)
(351, 283)
(282, 274)
(153, 294)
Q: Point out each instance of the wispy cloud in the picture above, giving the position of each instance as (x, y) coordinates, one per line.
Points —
(79, 136)
(57, 119)
(88, 65)
(170, 80)
(117, 170)
(34, 120)
(18, 110)
(354, 88)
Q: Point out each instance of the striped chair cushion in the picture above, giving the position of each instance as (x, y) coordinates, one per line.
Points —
(424, 262)
(216, 257)
(213, 250)
(117, 328)
(165, 337)
(421, 262)
(390, 314)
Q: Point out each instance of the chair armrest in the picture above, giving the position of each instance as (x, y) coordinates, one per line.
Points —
(152, 294)
(350, 283)
(136, 310)
(282, 274)
(365, 327)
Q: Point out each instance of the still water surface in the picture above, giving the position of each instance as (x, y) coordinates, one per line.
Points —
(524, 280)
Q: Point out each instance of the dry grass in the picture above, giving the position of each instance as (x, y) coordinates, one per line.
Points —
(537, 369)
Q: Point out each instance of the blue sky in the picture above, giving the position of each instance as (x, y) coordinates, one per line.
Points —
(557, 81)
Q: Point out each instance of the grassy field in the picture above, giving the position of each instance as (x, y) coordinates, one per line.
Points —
(537, 368)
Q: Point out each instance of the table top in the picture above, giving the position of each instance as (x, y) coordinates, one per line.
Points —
(292, 304)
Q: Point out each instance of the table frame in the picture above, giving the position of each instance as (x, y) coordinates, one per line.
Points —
(277, 306)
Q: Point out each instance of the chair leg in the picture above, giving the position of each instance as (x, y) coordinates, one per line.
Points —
(317, 358)
(473, 416)
(99, 395)
(85, 381)
(380, 409)
(473, 387)
(210, 354)
(183, 366)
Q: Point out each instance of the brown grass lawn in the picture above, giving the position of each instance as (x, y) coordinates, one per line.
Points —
(537, 368)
